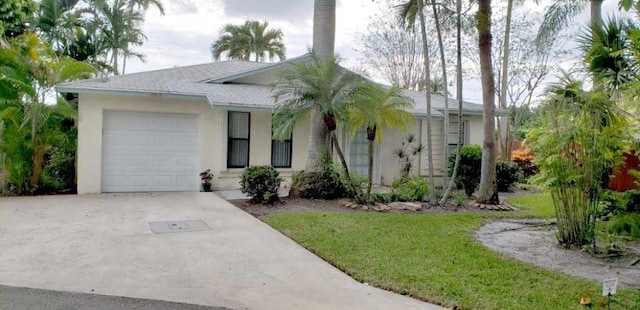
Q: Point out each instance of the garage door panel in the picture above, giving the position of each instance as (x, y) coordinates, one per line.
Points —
(149, 152)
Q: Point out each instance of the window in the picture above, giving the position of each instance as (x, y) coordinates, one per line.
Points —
(281, 153)
(238, 144)
(453, 134)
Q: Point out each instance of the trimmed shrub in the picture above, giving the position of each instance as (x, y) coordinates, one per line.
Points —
(524, 159)
(410, 189)
(507, 174)
(317, 185)
(468, 176)
(261, 183)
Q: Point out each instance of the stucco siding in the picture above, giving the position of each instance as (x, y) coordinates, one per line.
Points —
(475, 130)
(393, 139)
(90, 116)
(212, 137)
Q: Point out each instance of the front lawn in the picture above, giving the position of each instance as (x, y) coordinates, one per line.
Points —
(535, 205)
(434, 257)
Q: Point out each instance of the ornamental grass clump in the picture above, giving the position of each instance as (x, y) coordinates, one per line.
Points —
(582, 135)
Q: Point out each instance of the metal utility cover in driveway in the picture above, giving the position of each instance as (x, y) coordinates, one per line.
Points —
(178, 226)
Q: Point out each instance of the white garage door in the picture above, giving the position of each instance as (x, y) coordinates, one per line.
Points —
(144, 152)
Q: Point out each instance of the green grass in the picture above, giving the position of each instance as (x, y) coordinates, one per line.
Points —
(535, 205)
(434, 257)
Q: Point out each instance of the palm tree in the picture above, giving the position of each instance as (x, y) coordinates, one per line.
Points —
(320, 86)
(249, 39)
(609, 51)
(375, 107)
(56, 20)
(120, 27)
(408, 12)
(324, 33)
(561, 12)
(31, 127)
(488, 193)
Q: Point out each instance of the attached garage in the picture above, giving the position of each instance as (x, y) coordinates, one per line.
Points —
(149, 152)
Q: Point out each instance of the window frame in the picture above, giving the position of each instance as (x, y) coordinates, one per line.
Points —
(465, 136)
(230, 139)
(290, 155)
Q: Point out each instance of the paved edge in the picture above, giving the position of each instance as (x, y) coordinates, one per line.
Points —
(19, 298)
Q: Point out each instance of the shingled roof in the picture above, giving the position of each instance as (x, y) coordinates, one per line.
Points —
(215, 81)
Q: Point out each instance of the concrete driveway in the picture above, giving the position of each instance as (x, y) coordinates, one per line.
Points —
(102, 244)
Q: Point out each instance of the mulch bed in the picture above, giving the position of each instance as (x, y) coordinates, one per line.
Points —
(299, 204)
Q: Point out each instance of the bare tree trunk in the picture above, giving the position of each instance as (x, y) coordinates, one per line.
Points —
(425, 52)
(452, 181)
(505, 139)
(324, 31)
(488, 193)
(445, 130)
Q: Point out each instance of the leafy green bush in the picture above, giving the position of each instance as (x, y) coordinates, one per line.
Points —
(261, 183)
(611, 203)
(410, 189)
(508, 173)
(468, 176)
(317, 185)
(632, 200)
(626, 224)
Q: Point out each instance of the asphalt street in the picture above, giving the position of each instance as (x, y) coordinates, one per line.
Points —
(19, 298)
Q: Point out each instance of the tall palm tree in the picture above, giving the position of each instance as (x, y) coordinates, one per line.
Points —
(375, 107)
(249, 39)
(609, 51)
(324, 33)
(408, 12)
(57, 20)
(322, 87)
(120, 28)
(488, 192)
(561, 12)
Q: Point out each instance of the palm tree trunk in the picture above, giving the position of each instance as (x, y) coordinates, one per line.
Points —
(425, 53)
(452, 180)
(124, 63)
(445, 129)
(324, 31)
(334, 140)
(488, 193)
(596, 12)
(371, 136)
(505, 139)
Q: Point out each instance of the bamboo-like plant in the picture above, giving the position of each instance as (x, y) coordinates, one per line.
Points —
(582, 135)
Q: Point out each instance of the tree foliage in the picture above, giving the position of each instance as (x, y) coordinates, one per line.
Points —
(375, 107)
(582, 135)
(252, 38)
(34, 134)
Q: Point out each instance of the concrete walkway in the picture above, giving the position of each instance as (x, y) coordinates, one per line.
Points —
(102, 244)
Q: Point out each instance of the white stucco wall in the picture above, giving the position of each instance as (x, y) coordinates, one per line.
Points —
(212, 138)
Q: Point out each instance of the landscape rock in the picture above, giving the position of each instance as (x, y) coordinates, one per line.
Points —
(381, 207)
(405, 206)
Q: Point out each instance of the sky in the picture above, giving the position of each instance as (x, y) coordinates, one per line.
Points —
(184, 34)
